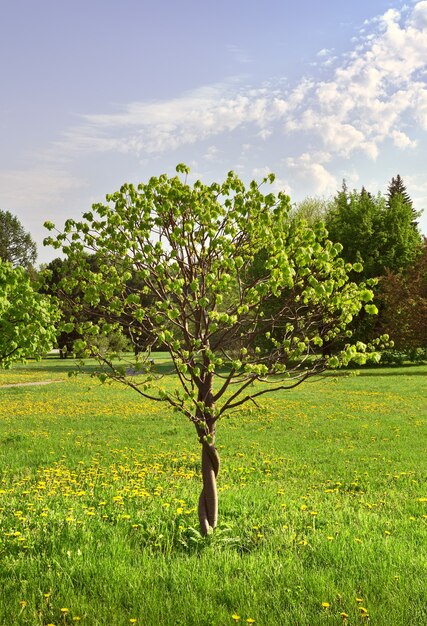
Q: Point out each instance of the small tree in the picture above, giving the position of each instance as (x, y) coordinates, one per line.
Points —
(16, 245)
(192, 250)
(27, 319)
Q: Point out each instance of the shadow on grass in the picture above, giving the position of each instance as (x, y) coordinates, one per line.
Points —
(54, 364)
(164, 367)
(409, 369)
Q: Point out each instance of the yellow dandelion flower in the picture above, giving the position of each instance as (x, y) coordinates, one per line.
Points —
(235, 617)
(65, 610)
(326, 605)
(250, 620)
(344, 615)
(133, 620)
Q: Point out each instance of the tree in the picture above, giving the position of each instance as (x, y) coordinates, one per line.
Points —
(16, 246)
(397, 187)
(378, 232)
(403, 299)
(27, 319)
(51, 276)
(190, 248)
(313, 209)
(399, 240)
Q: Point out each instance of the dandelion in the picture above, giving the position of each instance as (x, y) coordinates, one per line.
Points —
(235, 617)
(344, 616)
(326, 605)
(133, 620)
(64, 611)
(250, 620)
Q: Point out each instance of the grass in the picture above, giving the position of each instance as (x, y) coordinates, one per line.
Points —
(323, 506)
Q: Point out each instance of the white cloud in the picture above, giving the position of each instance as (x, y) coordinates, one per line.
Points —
(367, 98)
(310, 173)
(376, 95)
(402, 141)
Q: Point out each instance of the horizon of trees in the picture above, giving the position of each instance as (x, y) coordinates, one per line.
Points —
(379, 231)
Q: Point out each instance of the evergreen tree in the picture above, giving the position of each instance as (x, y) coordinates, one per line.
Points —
(396, 187)
(16, 246)
(353, 220)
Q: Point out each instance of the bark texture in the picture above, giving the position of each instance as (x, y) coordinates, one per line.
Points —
(208, 501)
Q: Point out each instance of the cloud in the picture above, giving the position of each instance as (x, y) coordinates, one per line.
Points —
(402, 141)
(368, 97)
(307, 170)
(36, 187)
(149, 128)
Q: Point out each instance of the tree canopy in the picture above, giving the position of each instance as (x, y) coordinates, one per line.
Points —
(378, 231)
(175, 265)
(27, 319)
(16, 245)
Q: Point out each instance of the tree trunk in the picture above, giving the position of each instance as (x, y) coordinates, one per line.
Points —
(208, 501)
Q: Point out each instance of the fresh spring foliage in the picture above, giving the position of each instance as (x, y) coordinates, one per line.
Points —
(27, 319)
(175, 265)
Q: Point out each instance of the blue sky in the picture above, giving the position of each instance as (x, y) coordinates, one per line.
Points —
(98, 92)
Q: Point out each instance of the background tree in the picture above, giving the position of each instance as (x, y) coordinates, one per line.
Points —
(190, 248)
(397, 187)
(312, 209)
(27, 319)
(374, 230)
(16, 245)
(354, 220)
(51, 276)
(403, 299)
(399, 240)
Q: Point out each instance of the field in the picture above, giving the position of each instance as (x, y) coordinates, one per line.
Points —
(323, 506)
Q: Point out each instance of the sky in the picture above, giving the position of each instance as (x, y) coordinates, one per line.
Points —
(95, 93)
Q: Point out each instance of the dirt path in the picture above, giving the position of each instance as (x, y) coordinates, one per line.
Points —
(39, 382)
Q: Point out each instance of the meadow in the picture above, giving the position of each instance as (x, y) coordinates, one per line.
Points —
(323, 506)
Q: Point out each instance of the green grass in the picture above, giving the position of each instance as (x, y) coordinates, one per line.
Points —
(323, 499)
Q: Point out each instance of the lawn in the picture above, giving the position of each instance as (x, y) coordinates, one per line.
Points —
(323, 506)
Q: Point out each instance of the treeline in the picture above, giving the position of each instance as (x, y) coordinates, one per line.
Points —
(379, 235)
(381, 232)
